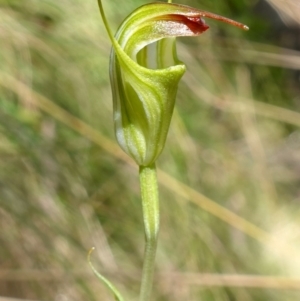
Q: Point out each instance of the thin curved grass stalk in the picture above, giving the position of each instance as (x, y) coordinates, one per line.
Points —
(108, 284)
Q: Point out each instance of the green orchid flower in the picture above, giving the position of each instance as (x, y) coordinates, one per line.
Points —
(145, 71)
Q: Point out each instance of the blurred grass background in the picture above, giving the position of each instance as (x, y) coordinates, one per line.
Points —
(229, 175)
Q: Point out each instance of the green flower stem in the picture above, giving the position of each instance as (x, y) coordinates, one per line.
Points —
(150, 203)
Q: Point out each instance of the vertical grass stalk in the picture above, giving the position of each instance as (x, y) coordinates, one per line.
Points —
(150, 204)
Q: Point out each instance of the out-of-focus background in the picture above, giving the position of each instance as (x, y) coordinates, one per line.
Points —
(229, 177)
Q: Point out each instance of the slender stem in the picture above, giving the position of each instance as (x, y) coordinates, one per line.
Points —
(150, 203)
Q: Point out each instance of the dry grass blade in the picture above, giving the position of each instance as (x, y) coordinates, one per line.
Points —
(231, 103)
(289, 10)
(229, 280)
(14, 299)
(213, 208)
(260, 57)
(171, 278)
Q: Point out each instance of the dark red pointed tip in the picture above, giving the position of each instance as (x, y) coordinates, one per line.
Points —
(197, 24)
